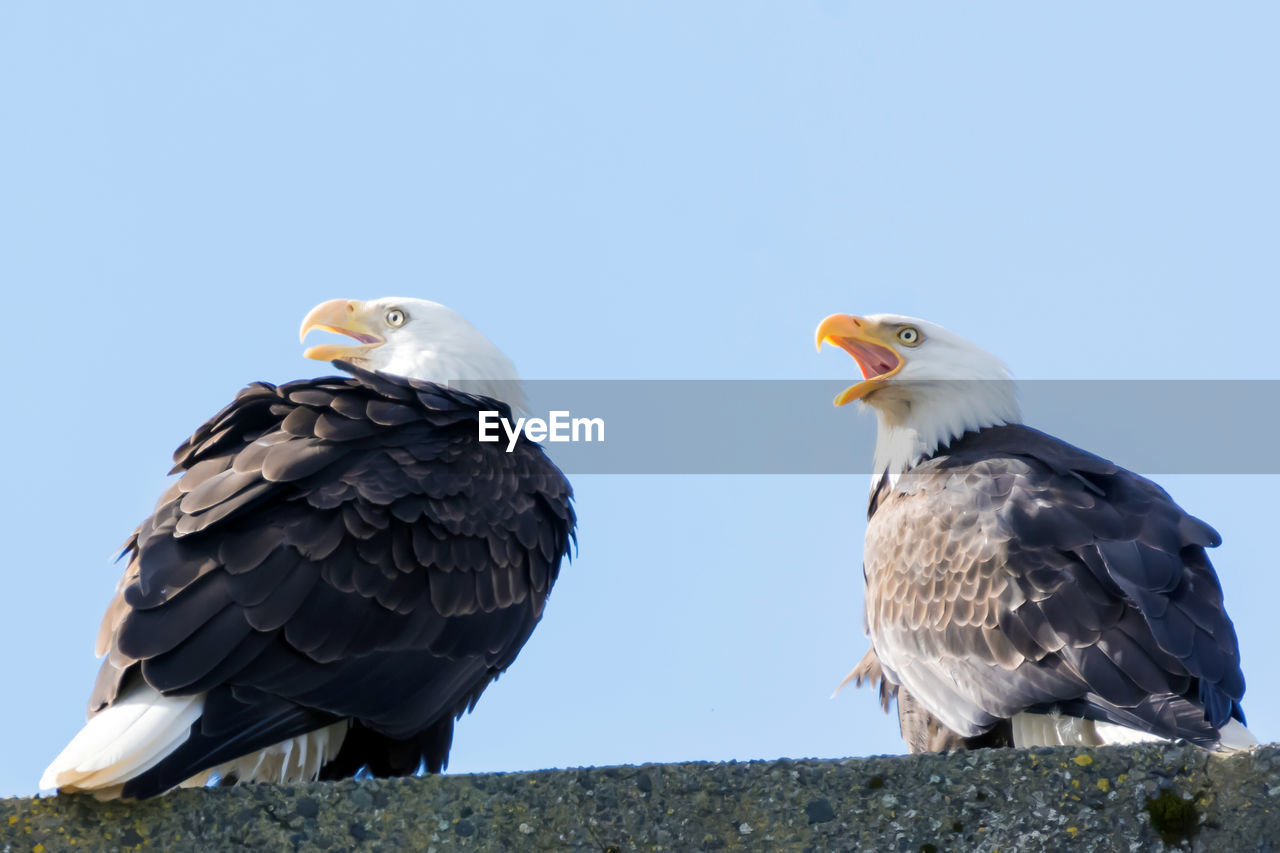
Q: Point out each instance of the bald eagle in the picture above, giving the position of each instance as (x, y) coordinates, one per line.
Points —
(339, 572)
(1019, 590)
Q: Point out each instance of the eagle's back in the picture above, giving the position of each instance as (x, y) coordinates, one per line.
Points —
(1012, 572)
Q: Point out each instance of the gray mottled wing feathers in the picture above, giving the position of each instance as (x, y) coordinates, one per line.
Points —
(1013, 572)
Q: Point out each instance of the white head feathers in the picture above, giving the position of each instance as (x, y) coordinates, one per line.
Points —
(926, 384)
(417, 339)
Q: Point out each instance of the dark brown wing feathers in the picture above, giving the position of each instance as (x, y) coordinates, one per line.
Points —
(340, 547)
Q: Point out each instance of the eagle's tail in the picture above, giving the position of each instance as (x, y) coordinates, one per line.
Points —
(1063, 730)
(1234, 737)
(142, 745)
(125, 739)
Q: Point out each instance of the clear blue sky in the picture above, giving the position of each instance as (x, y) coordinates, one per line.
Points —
(617, 190)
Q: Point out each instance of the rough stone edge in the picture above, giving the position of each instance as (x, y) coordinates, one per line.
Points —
(1116, 798)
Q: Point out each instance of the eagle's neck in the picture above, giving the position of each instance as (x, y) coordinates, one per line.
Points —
(472, 365)
(915, 419)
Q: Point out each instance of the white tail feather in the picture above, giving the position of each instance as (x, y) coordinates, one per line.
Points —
(1061, 730)
(1234, 737)
(1053, 730)
(131, 766)
(123, 740)
(297, 759)
(1110, 733)
(143, 726)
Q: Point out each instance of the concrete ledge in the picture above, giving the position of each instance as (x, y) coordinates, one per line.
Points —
(1117, 798)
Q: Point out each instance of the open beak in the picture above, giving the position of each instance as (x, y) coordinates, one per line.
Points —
(346, 317)
(875, 355)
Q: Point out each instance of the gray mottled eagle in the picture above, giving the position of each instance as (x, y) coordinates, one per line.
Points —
(1019, 590)
(337, 575)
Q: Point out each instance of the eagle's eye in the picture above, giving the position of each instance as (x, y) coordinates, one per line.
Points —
(395, 318)
(909, 335)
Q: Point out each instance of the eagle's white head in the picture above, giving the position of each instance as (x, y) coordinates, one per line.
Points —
(927, 385)
(416, 339)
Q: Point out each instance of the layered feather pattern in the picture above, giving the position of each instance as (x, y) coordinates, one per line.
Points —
(337, 553)
(1011, 574)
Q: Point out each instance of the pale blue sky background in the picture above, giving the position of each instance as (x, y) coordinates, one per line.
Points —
(639, 190)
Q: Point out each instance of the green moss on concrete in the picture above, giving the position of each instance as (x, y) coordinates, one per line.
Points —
(1175, 818)
(1098, 799)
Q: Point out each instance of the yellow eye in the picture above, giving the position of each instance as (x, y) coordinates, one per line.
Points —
(395, 318)
(909, 335)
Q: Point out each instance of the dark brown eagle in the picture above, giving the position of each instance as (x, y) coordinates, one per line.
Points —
(337, 575)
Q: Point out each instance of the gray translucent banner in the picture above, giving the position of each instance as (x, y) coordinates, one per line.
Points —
(791, 427)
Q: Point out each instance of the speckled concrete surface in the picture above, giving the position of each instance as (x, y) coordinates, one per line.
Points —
(1127, 799)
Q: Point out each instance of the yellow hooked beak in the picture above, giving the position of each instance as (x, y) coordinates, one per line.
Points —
(346, 317)
(868, 344)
